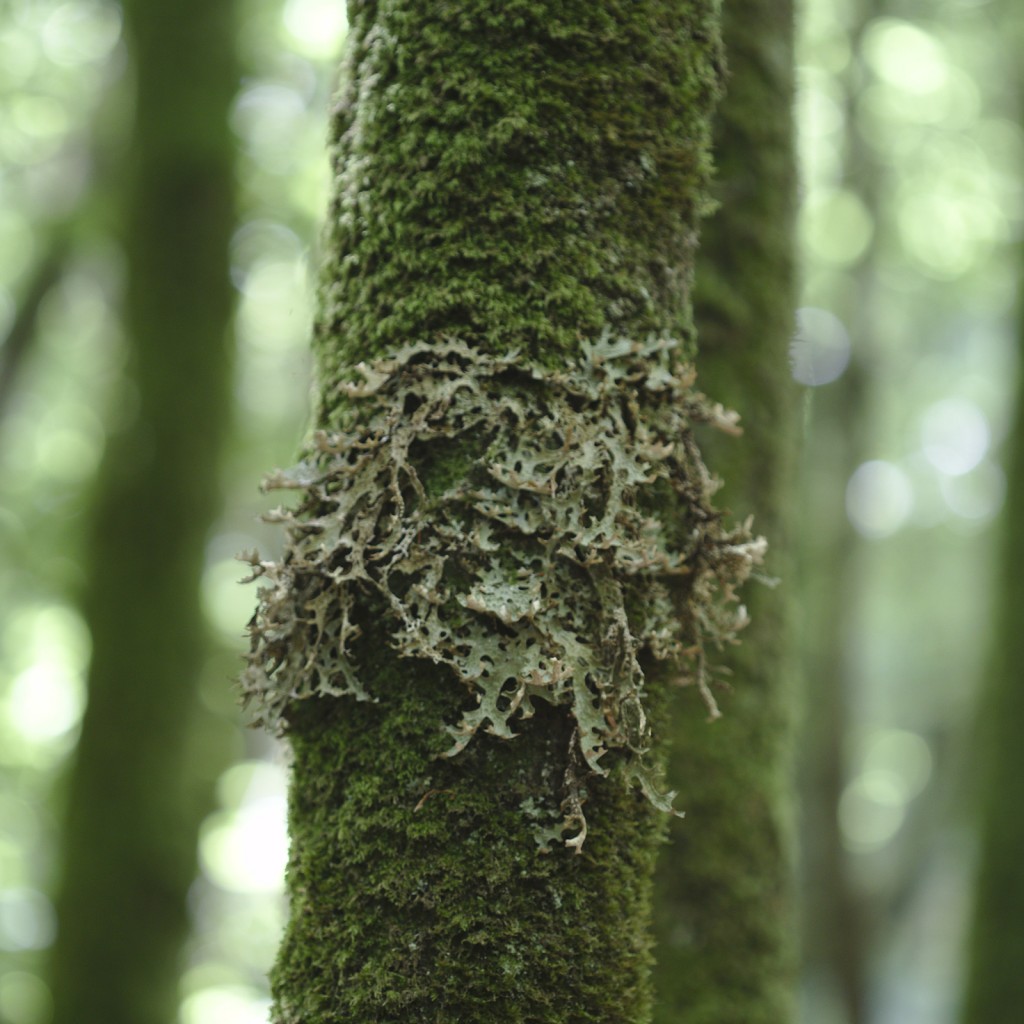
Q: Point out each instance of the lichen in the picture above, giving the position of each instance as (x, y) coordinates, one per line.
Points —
(541, 571)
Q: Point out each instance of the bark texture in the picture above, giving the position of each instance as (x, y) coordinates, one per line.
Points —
(517, 177)
(724, 914)
(520, 175)
(130, 831)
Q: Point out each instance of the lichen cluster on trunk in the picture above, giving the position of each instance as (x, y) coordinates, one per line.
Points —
(508, 259)
(537, 574)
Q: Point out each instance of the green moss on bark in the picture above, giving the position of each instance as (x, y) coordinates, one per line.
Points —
(513, 177)
(417, 892)
(135, 793)
(518, 176)
(724, 920)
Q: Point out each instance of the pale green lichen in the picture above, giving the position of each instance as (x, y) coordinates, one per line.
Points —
(540, 570)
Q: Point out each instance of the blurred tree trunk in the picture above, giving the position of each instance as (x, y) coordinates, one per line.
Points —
(840, 917)
(835, 924)
(724, 913)
(132, 815)
(513, 181)
(995, 979)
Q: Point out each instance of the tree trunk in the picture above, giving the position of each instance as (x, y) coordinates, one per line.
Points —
(130, 831)
(499, 511)
(995, 982)
(724, 914)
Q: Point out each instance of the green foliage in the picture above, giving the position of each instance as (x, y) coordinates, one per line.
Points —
(539, 573)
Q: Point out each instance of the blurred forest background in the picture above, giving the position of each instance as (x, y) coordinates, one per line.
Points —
(912, 205)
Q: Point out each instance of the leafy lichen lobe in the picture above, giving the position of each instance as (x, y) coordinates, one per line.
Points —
(542, 571)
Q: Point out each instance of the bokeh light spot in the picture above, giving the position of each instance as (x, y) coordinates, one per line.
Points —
(903, 754)
(47, 697)
(45, 701)
(27, 920)
(228, 604)
(837, 227)
(39, 116)
(879, 499)
(269, 118)
(261, 241)
(905, 56)
(24, 998)
(246, 851)
(318, 26)
(872, 809)
(976, 496)
(943, 234)
(954, 435)
(244, 848)
(225, 1004)
(820, 350)
(81, 32)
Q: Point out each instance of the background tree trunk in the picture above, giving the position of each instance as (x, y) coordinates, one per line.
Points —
(521, 178)
(133, 812)
(995, 982)
(724, 913)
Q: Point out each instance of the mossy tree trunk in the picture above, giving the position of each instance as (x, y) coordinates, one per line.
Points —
(724, 913)
(130, 832)
(518, 187)
(995, 981)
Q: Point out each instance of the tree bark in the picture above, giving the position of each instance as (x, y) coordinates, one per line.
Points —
(518, 188)
(724, 910)
(994, 984)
